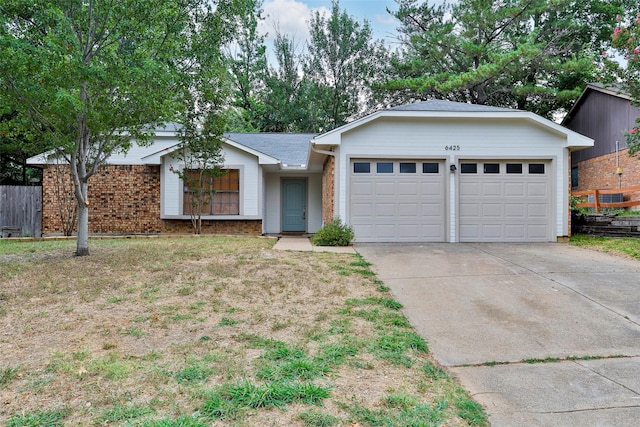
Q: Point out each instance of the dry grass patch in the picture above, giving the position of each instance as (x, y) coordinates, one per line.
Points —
(210, 332)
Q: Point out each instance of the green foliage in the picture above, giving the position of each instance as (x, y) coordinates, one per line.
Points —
(182, 421)
(51, 418)
(470, 411)
(194, 374)
(418, 415)
(125, 413)
(7, 375)
(532, 55)
(626, 38)
(342, 60)
(315, 418)
(334, 233)
(229, 399)
(626, 245)
(91, 85)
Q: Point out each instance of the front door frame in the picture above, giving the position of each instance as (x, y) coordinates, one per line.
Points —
(302, 201)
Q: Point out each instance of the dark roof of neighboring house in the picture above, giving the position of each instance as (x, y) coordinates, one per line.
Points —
(290, 148)
(440, 105)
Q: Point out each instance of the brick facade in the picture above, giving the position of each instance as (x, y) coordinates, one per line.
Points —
(125, 199)
(601, 173)
(328, 189)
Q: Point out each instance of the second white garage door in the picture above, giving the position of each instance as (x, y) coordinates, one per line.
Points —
(397, 200)
(505, 201)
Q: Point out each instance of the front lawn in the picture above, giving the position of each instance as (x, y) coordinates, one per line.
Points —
(210, 332)
(628, 246)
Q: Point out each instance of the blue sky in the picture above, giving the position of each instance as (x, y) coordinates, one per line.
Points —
(292, 16)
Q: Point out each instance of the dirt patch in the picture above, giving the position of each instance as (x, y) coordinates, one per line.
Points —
(159, 326)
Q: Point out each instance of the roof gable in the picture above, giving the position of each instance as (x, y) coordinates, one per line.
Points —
(448, 109)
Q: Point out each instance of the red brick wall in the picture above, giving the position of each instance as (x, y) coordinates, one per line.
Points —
(248, 227)
(125, 199)
(600, 173)
(328, 189)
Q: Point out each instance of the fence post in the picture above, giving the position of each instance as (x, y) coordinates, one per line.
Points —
(596, 200)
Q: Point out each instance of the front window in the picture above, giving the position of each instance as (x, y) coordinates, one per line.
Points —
(220, 195)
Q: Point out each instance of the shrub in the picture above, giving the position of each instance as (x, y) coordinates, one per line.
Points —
(334, 233)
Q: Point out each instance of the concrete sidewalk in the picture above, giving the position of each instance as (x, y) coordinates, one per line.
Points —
(291, 243)
(499, 315)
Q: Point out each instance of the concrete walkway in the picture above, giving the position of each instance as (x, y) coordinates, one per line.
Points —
(487, 309)
(291, 243)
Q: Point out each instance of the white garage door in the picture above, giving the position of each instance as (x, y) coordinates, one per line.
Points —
(397, 200)
(505, 201)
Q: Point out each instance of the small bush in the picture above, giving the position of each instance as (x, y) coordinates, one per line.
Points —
(334, 233)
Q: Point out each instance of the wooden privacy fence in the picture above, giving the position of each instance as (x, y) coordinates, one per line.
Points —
(20, 211)
(603, 198)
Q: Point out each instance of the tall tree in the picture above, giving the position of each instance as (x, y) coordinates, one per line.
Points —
(248, 67)
(528, 54)
(342, 59)
(286, 96)
(96, 74)
(626, 38)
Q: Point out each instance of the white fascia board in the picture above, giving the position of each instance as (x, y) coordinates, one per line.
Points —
(263, 159)
(156, 158)
(574, 139)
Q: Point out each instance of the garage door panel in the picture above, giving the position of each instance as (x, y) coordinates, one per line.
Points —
(491, 231)
(514, 210)
(469, 189)
(470, 210)
(515, 231)
(408, 188)
(408, 231)
(432, 210)
(408, 209)
(514, 189)
(515, 207)
(385, 231)
(491, 189)
(397, 206)
(385, 189)
(536, 231)
(537, 189)
(537, 210)
(492, 210)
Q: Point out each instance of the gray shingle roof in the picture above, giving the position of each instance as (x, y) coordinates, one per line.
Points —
(289, 148)
(440, 105)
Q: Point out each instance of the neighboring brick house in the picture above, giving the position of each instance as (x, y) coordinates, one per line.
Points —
(434, 171)
(603, 114)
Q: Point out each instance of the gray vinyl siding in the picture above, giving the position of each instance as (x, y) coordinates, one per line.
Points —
(604, 118)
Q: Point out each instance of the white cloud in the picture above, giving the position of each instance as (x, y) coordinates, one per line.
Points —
(291, 17)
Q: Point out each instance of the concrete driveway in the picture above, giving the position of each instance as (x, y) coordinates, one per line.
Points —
(478, 304)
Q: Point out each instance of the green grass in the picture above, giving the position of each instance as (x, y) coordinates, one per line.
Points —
(315, 418)
(621, 245)
(39, 418)
(182, 421)
(125, 413)
(199, 331)
(194, 373)
(7, 375)
(229, 399)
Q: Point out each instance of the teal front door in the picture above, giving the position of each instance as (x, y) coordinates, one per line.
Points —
(294, 205)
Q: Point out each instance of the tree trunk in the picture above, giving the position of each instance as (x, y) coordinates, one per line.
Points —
(82, 248)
